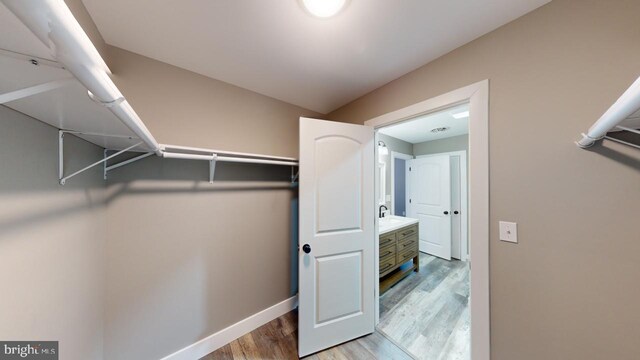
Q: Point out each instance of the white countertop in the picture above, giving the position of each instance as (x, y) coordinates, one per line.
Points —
(393, 222)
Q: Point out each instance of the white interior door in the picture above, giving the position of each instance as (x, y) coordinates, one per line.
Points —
(337, 217)
(429, 189)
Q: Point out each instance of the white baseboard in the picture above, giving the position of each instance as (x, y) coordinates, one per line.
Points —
(227, 335)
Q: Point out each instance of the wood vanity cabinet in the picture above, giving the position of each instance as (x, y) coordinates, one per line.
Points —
(397, 248)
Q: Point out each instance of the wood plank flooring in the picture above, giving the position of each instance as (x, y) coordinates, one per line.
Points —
(278, 339)
(427, 313)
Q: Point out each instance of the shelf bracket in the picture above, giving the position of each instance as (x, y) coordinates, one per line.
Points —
(63, 179)
(34, 90)
(104, 167)
(107, 104)
(212, 170)
(294, 177)
(124, 162)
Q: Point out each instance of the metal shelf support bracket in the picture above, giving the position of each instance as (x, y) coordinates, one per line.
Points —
(63, 179)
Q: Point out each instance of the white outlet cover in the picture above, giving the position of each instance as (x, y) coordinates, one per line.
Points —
(509, 231)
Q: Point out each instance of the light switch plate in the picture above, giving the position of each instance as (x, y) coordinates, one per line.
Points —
(509, 231)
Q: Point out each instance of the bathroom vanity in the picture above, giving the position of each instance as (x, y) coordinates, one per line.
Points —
(398, 254)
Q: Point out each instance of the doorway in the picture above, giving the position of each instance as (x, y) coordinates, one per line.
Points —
(339, 191)
(424, 279)
(476, 96)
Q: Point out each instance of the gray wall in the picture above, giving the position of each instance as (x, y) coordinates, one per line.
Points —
(569, 289)
(52, 239)
(186, 259)
(454, 143)
(397, 145)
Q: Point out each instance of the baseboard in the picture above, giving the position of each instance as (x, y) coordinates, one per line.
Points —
(227, 335)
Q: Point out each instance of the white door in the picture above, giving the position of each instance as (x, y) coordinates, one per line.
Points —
(429, 189)
(337, 215)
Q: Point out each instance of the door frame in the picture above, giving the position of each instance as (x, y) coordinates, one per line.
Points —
(396, 155)
(477, 95)
(464, 240)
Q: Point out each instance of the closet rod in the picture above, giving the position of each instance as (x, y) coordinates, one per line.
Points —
(622, 142)
(172, 155)
(166, 147)
(215, 157)
(624, 107)
(256, 161)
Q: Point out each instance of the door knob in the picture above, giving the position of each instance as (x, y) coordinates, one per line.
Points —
(446, 213)
(306, 248)
(456, 212)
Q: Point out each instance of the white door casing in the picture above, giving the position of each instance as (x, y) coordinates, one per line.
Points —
(477, 95)
(456, 205)
(337, 217)
(430, 202)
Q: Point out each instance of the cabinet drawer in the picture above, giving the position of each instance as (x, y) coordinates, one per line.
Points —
(407, 243)
(387, 264)
(387, 239)
(389, 250)
(408, 231)
(407, 254)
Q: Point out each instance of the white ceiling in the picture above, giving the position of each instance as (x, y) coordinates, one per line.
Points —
(418, 130)
(277, 49)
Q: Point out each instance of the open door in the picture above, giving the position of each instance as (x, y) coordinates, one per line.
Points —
(337, 217)
(430, 203)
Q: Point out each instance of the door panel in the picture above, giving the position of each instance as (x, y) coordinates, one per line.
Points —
(337, 214)
(338, 170)
(339, 279)
(430, 202)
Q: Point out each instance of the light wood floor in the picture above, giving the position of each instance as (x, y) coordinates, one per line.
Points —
(278, 339)
(427, 313)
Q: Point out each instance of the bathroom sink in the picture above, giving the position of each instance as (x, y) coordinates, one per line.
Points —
(393, 222)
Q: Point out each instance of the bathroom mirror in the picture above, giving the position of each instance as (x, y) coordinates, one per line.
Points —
(382, 194)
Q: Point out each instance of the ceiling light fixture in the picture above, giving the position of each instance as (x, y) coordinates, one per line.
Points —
(439, 129)
(323, 8)
(460, 115)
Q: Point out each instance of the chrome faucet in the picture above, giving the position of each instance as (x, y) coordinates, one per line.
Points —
(380, 213)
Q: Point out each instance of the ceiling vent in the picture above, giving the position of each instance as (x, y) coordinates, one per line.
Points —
(440, 129)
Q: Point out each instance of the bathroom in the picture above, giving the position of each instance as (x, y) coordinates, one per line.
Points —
(422, 227)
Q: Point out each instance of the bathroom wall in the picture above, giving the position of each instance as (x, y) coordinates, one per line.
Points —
(569, 288)
(454, 143)
(52, 239)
